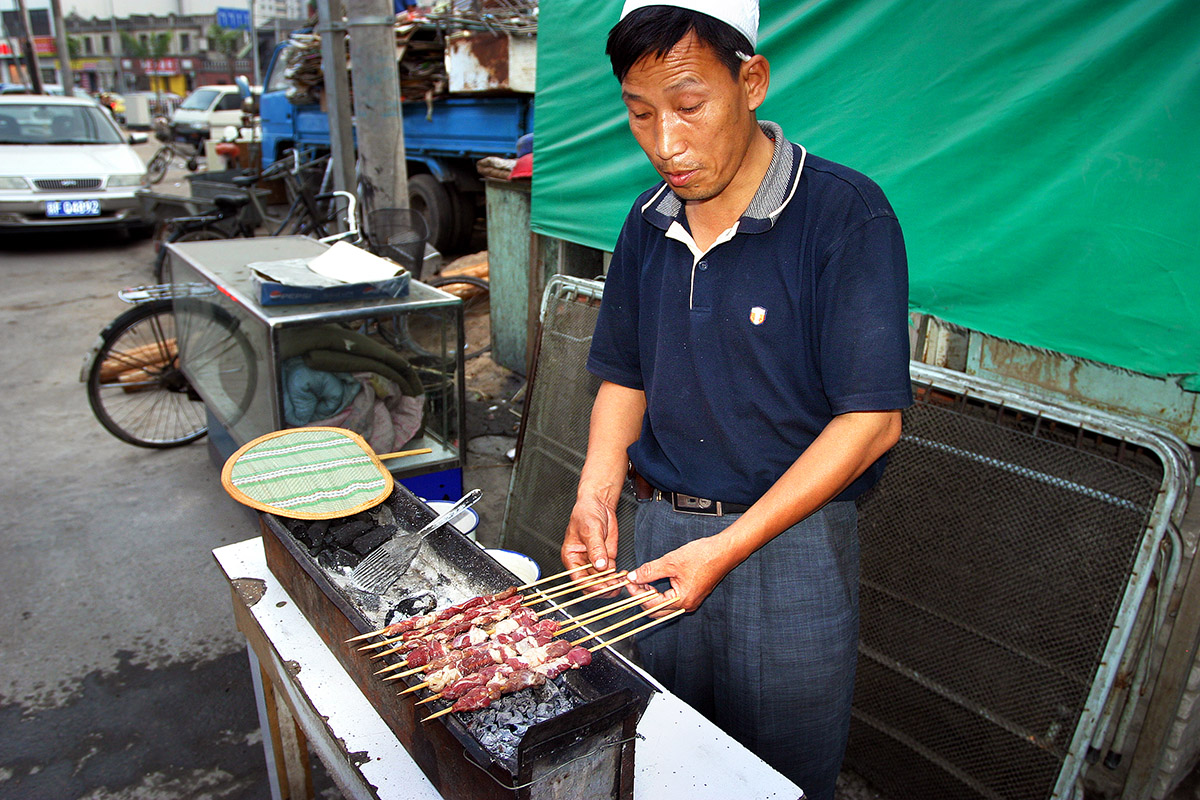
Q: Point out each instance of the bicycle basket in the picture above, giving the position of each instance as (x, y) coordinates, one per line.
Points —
(398, 234)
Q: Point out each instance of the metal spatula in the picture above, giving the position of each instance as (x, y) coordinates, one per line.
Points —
(378, 571)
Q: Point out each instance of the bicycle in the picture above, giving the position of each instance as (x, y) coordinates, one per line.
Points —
(160, 162)
(135, 384)
(307, 216)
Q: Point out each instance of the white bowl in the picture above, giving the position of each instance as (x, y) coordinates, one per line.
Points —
(519, 564)
(466, 522)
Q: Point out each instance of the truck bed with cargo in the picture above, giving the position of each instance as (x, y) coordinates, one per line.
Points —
(443, 138)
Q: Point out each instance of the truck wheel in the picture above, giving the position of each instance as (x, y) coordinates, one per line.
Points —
(428, 196)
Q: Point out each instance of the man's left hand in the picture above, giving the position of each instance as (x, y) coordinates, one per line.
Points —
(694, 570)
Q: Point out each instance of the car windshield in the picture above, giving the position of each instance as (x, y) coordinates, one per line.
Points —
(33, 123)
(199, 100)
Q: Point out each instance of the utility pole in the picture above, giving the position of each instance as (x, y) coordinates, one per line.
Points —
(337, 92)
(115, 52)
(383, 173)
(66, 75)
(31, 59)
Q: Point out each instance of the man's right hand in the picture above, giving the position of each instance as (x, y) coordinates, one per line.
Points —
(591, 536)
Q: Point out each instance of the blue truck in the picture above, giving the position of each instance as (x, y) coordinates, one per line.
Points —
(443, 139)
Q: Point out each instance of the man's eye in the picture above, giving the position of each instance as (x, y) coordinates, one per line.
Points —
(690, 109)
(641, 115)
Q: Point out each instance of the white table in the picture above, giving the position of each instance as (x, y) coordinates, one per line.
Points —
(304, 695)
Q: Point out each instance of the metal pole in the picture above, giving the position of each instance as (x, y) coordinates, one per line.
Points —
(254, 46)
(383, 173)
(31, 59)
(337, 92)
(66, 75)
(116, 48)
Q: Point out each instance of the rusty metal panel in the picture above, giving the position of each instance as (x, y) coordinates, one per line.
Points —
(486, 62)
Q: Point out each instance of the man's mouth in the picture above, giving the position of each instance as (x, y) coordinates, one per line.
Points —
(678, 179)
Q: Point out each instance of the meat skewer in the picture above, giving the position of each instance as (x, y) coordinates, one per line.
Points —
(388, 630)
(524, 618)
(452, 629)
(421, 620)
(412, 627)
(519, 643)
(482, 697)
(433, 679)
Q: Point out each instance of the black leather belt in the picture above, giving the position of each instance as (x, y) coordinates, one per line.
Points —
(683, 503)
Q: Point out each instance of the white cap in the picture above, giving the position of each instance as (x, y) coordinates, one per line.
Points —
(742, 15)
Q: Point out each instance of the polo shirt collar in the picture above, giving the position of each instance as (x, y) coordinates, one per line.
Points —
(774, 193)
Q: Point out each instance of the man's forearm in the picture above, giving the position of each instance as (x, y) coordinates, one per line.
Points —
(615, 425)
(844, 450)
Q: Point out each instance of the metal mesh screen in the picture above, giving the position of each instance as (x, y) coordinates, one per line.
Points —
(995, 553)
(554, 432)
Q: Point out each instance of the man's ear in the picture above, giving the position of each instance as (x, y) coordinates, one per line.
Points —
(756, 78)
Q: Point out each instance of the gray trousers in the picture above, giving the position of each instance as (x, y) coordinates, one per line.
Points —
(769, 657)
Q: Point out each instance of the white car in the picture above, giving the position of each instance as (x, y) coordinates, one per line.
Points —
(65, 164)
(206, 112)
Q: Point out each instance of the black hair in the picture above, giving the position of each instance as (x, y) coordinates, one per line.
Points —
(654, 30)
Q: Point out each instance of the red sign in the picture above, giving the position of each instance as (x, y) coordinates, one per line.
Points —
(44, 45)
(159, 66)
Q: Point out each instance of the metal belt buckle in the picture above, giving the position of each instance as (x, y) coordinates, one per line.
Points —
(687, 504)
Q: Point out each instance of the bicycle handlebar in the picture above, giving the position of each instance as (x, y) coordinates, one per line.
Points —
(351, 216)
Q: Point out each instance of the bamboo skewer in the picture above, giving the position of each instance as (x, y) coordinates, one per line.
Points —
(589, 618)
(589, 596)
(638, 629)
(555, 576)
(441, 713)
(582, 583)
(625, 621)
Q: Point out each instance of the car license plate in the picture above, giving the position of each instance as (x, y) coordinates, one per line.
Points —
(72, 208)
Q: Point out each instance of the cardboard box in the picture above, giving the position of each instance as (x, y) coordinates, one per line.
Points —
(272, 293)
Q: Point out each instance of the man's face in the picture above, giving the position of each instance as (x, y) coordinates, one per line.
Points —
(691, 117)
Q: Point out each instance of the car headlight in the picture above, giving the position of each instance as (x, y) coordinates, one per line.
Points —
(13, 183)
(125, 180)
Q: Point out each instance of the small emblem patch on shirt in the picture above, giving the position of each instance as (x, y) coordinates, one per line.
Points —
(758, 315)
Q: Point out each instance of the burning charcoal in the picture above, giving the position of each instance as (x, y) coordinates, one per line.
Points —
(421, 603)
(314, 536)
(332, 559)
(372, 539)
(347, 532)
(382, 515)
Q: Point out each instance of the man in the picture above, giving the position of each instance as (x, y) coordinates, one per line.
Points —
(753, 350)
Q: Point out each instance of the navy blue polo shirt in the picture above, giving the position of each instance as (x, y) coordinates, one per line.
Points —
(746, 352)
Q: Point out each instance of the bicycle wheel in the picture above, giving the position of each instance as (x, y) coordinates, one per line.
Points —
(201, 235)
(476, 298)
(156, 170)
(134, 385)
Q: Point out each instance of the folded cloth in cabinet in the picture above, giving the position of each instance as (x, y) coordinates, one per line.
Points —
(381, 413)
(397, 370)
(310, 393)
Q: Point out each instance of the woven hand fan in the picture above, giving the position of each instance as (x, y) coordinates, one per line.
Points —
(309, 473)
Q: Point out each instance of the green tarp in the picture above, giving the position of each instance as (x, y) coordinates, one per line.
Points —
(1043, 158)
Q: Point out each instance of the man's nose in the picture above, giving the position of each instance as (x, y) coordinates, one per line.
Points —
(669, 140)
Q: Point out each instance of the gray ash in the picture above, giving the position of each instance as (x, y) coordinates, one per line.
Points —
(501, 726)
(338, 545)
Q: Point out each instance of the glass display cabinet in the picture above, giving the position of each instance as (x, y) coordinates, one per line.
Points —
(389, 368)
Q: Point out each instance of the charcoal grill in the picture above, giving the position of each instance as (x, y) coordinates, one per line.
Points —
(584, 752)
